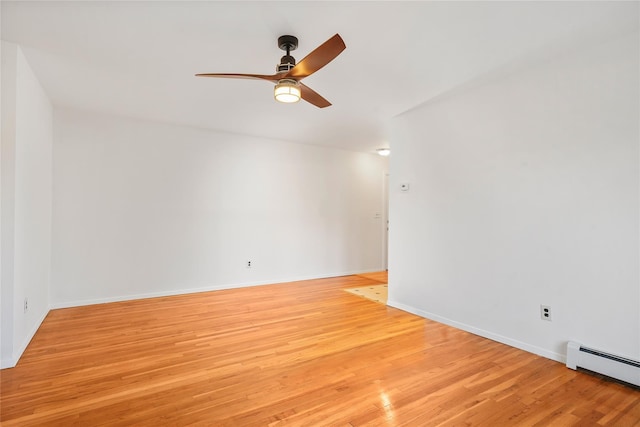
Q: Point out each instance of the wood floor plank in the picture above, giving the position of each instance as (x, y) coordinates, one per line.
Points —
(301, 353)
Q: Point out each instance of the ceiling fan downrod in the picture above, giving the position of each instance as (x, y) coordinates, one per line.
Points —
(287, 62)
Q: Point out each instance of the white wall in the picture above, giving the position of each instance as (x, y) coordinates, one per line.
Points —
(525, 191)
(144, 209)
(26, 203)
(8, 113)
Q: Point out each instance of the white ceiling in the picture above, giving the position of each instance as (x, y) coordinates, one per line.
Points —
(139, 58)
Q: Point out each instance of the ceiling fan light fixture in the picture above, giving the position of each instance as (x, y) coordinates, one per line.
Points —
(288, 73)
(287, 91)
(383, 151)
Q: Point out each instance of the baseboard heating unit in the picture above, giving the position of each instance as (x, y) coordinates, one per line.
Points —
(617, 367)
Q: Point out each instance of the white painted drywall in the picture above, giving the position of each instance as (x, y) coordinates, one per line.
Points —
(7, 208)
(143, 209)
(26, 203)
(524, 190)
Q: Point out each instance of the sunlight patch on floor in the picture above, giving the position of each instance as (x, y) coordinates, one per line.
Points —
(377, 293)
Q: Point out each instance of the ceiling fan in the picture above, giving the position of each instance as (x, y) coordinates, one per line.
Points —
(288, 73)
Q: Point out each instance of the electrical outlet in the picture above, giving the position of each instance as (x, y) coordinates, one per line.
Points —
(545, 312)
(248, 264)
(26, 305)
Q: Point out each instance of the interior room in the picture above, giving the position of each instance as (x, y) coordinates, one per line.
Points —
(506, 216)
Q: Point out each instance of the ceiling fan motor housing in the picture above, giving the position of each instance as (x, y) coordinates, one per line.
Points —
(287, 62)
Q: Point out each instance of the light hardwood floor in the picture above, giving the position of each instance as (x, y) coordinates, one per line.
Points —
(304, 353)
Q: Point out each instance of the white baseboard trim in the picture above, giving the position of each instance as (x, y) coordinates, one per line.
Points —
(17, 353)
(179, 291)
(480, 332)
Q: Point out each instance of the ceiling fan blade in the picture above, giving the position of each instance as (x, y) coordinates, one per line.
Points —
(312, 97)
(273, 78)
(318, 58)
